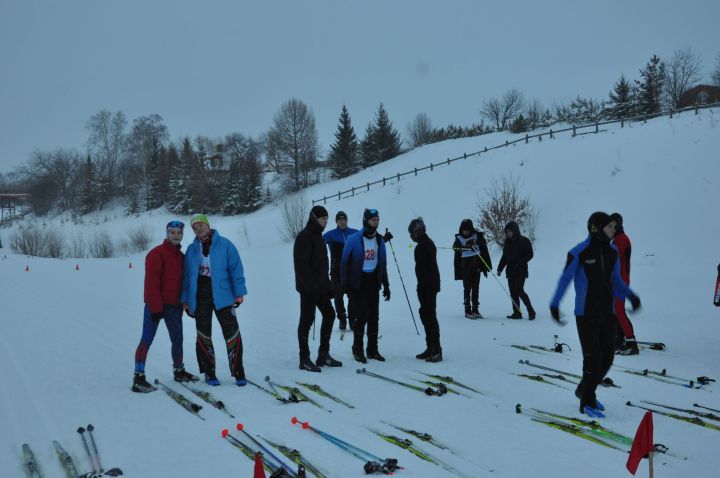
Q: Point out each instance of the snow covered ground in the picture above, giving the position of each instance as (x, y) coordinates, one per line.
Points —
(69, 336)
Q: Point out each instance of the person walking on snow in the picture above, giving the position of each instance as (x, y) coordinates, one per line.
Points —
(312, 282)
(517, 252)
(626, 333)
(469, 265)
(595, 268)
(163, 279)
(214, 280)
(335, 240)
(428, 286)
(363, 269)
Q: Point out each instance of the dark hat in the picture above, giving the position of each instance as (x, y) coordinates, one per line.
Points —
(597, 221)
(370, 213)
(318, 211)
(340, 215)
(466, 225)
(619, 220)
(416, 227)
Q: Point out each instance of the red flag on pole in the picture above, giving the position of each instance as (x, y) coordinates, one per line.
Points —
(259, 471)
(642, 444)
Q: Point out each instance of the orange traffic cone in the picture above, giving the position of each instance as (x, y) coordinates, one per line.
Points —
(77, 267)
(259, 470)
(130, 266)
(27, 268)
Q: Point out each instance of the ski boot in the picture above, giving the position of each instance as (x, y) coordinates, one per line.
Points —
(435, 356)
(358, 355)
(424, 355)
(181, 375)
(630, 347)
(531, 315)
(476, 313)
(375, 355)
(325, 360)
(140, 385)
(211, 379)
(307, 364)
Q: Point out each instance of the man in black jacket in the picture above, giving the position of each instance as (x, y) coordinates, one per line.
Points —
(469, 265)
(428, 286)
(517, 252)
(313, 284)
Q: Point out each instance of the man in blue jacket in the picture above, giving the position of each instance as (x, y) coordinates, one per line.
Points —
(363, 268)
(593, 265)
(213, 280)
(335, 240)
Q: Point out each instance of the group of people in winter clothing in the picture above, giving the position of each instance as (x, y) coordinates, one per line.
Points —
(208, 278)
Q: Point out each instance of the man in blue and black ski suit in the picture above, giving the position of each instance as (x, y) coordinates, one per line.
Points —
(335, 240)
(363, 268)
(594, 266)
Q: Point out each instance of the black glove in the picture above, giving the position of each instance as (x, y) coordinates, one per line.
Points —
(388, 236)
(555, 313)
(386, 293)
(634, 301)
(156, 316)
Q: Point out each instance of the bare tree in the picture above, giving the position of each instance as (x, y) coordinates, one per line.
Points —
(53, 179)
(147, 136)
(501, 111)
(294, 216)
(535, 113)
(294, 139)
(716, 71)
(107, 145)
(682, 72)
(420, 130)
(504, 202)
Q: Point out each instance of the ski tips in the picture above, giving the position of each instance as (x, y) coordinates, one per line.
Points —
(224, 433)
(361, 370)
(239, 426)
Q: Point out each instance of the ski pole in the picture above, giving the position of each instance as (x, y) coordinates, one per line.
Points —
(240, 427)
(477, 251)
(81, 431)
(90, 429)
(403, 286)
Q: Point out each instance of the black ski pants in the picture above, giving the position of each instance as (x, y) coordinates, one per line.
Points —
(366, 299)
(471, 285)
(339, 301)
(428, 317)
(308, 303)
(597, 335)
(230, 329)
(517, 293)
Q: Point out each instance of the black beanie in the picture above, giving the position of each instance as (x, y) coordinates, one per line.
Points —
(318, 211)
(369, 214)
(340, 215)
(466, 225)
(597, 221)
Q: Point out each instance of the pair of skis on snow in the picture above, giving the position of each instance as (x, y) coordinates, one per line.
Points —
(32, 468)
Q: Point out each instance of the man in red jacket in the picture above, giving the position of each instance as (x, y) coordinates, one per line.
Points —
(163, 279)
(626, 336)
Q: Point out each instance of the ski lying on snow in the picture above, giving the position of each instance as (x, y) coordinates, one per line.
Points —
(296, 457)
(606, 382)
(274, 394)
(708, 415)
(207, 397)
(30, 464)
(440, 391)
(181, 400)
(694, 420)
(451, 381)
(320, 391)
(540, 379)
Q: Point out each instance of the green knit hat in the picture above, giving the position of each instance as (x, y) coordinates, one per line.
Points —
(199, 218)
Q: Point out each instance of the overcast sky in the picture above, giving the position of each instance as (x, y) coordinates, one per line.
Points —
(215, 67)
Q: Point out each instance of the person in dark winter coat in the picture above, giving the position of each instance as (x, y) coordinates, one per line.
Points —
(313, 284)
(595, 268)
(335, 240)
(517, 252)
(163, 280)
(363, 269)
(214, 280)
(469, 265)
(428, 286)
(627, 345)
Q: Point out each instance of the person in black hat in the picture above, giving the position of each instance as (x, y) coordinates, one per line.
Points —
(335, 240)
(517, 252)
(363, 269)
(468, 265)
(594, 267)
(313, 284)
(428, 286)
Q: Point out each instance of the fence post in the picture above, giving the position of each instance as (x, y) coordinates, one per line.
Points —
(622, 122)
(697, 110)
(540, 139)
(597, 130)
(398, 177)
(368, 186)
(339, 195)
(324, 200)
(527, 138)
(644, 119)
(573, 131)
(506, 143)
(671, 113)
(551, 134)
(415, 171)
(448, 161)
(353, 191)
(464, 155)
(383, 182)
(485, 149)
(431, 166)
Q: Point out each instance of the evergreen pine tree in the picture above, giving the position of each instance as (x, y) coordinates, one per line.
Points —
(368, 151)
(343, 154)
(387, 139)
(232, 200)
(180, 183)
(90, 194)
(650, 86)
(622, 100)
(153, 198)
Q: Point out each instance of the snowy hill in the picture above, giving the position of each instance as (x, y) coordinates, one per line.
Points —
(68, 336)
